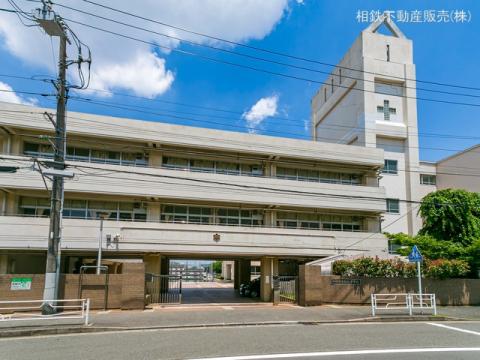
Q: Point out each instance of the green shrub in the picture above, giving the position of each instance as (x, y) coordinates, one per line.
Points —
(396, 268)
(444, 269)
(373, 267)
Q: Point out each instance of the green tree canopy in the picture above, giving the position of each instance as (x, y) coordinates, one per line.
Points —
(217, 267)
(451, 214)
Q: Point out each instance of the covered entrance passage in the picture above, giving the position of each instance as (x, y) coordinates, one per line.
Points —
(221, 281)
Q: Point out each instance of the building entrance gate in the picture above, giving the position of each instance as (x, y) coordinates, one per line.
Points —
(163, 289)
(288, 289)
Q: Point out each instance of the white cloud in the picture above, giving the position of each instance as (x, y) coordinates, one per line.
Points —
(262, 109)
(9, 96)
(115, 59)
(147, 72)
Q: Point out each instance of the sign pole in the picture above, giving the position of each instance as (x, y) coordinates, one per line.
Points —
(419, 273)
(416, 256)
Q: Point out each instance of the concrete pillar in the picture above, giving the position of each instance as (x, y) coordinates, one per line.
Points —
(9, 204)
(155, 159)
(372, 224)
(164, 265)
(3, 264)
(268, 269)
(236, 275)
(244, 271)
(270, 218)
(371, 179)
(152, 263)
(153, 212)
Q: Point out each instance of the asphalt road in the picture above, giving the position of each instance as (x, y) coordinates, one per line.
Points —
(411, 340)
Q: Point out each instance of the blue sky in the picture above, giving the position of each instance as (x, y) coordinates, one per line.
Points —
(321, 30)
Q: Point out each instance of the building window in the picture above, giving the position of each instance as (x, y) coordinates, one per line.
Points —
(85, 209)
(333, 89)
(428, 179)
(318, 176)
(385, 88)
(87, 155)
(386, 110)
(325, 95)
(390, 167)
(340, 76)
(214, 216)
(210, 166)
(292, 220)
(393, 206)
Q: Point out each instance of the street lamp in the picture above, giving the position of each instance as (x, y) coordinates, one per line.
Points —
(102, 216)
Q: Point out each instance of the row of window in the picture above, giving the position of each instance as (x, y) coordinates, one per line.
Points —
(318, 176)
(88, 155)
(213, 216)
(319, 221)
(211, 166)
(130, 211)
(86, 209)
(199, 165)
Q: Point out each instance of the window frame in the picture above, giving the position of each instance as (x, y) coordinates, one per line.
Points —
(429, 183)
(389, 203)
(386, 169)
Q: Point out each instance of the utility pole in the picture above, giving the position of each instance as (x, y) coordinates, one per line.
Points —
(53, 26)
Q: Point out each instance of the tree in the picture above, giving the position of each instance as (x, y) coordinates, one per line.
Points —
(451, 214)
(434, 249)
(217, 267)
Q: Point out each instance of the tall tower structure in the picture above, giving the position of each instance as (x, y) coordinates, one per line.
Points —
(369, 100)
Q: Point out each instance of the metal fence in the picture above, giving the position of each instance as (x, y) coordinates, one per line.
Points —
(163, 289)
(288, 289)
(18, 310)
(403, 302)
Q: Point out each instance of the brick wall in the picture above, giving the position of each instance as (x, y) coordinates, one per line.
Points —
(316, 289)
(125, 291)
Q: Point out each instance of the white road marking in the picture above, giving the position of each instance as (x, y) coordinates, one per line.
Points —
(343, 353)
(455, 328)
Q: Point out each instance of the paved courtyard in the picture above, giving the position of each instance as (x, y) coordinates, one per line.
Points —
(212, 292)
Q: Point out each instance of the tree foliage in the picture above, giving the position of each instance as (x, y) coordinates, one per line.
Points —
(396, 268)
(433, 249)
(217, 267)
(451, 214)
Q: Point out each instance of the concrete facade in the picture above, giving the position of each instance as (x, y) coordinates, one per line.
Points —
(177, 192)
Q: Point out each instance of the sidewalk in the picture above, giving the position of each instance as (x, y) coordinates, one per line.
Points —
(231, 315)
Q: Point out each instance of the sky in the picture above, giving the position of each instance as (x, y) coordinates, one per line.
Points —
(164, 79)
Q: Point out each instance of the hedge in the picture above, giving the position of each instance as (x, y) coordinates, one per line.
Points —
(395, 268)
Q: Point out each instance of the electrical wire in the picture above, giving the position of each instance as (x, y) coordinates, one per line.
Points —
(273, 52)
(238, 65)
(100, 127)
(251, 56)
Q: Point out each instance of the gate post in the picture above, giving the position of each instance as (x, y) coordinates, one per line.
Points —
(301, 286)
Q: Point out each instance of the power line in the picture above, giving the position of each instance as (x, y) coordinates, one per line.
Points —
(295, 122)
(273, 52)
(208, 58)
(213, 182)
(133, 108)
(102, 126)
(252, 56)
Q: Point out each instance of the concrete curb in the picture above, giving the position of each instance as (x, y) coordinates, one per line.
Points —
(61, 330)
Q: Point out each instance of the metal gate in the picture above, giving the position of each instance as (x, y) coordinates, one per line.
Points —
(288, 289)
(163, 289)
